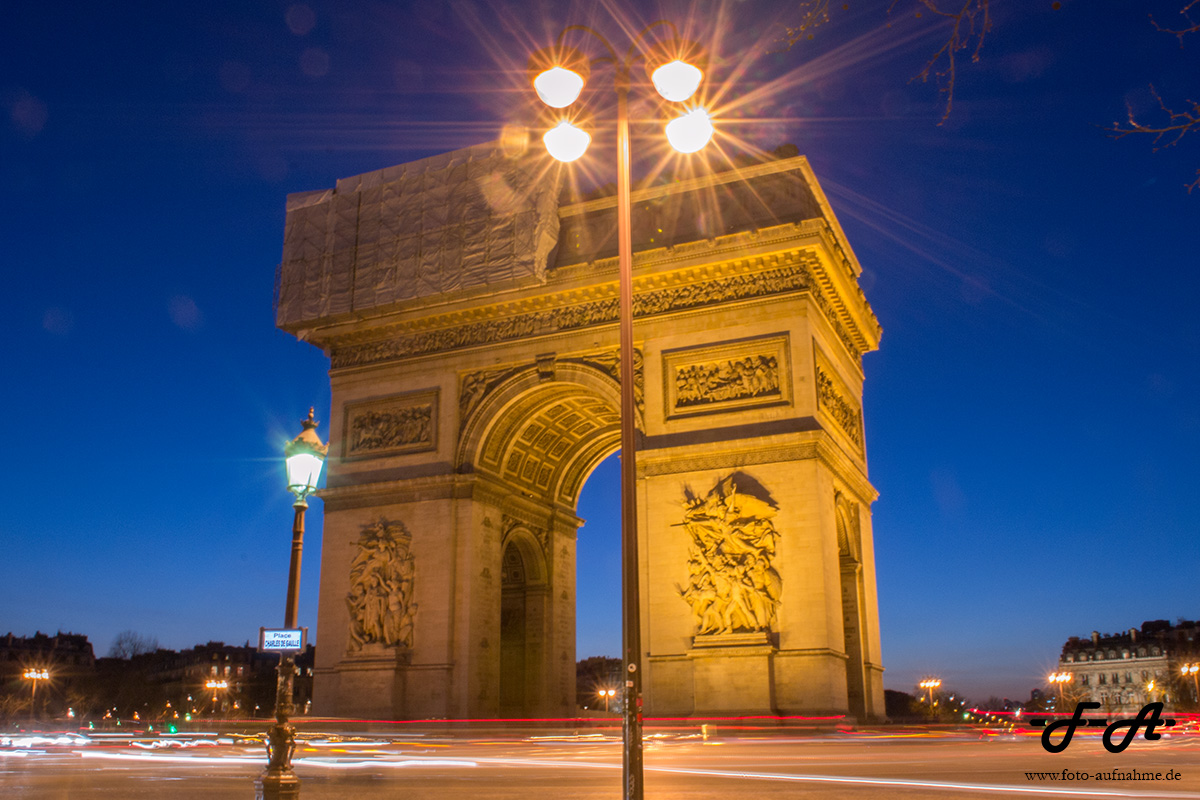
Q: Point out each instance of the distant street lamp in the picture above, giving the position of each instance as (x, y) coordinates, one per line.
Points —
(1192, 669)
(33, 676)
(929, 684)
(216, 686)
(607, 694)
(558, 75)
(304, 456)
(1059, 679)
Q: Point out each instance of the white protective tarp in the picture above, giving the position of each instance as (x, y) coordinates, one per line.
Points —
(461, 220)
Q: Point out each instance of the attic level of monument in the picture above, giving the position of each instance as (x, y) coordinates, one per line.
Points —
(368, 291)
(470, 317)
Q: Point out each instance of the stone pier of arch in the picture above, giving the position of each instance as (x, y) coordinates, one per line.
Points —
(470, 316)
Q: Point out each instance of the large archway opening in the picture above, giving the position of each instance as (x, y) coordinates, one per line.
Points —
(598, 586)
(538, 436)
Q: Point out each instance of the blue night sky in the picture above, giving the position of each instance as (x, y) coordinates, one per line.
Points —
(1032, 415)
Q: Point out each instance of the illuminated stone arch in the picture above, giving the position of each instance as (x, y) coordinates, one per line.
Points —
(545, 430)
(470, 318)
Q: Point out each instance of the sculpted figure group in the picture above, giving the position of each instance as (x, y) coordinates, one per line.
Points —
(381, 581)
(752, 376)
(732, 585)
(379, 430)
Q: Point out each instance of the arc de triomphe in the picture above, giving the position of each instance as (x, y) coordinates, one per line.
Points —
(471, 322)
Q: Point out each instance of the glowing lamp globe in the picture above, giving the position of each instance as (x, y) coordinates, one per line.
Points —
(566, 142)
(304, 457)
(690, 132)
(677, 80)
(558, 87)
(558, 74)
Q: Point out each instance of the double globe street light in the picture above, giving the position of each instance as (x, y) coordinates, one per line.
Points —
(676, 68)
(304, 457)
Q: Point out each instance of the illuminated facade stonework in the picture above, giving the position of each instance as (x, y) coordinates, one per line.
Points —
(470, 320)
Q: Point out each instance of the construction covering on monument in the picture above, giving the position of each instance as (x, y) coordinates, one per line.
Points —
(461, 220)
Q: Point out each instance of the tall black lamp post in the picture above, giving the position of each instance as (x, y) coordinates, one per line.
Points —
(558, 74)
(304, 455)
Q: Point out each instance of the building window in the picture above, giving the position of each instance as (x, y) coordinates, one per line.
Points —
(214, 669)
(1102, 679)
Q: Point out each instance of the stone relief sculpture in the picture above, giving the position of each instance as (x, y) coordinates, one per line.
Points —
(381, 588)
(609, 362)
(752, 376)
(847, 415)
(394, 428)
(733, 586)
(474, 387)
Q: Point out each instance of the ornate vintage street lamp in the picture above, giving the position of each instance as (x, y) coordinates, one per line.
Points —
(558, 75)
(304, 456)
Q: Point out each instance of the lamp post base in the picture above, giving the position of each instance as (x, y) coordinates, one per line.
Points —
(281, 785)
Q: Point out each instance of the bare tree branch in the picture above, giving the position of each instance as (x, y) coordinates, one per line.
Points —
(811, 13)
(969, 23)
(1191, 27)
(131, 643)
(1174, 127)
(969, 26)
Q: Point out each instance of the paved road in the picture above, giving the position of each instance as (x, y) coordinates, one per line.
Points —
(679, 765)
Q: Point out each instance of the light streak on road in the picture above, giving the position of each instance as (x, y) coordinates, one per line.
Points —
(904, 783)
(375, 763)
(326, 763)
(170, 759)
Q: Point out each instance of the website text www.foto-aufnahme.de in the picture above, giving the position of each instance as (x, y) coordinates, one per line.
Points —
(1111, 775)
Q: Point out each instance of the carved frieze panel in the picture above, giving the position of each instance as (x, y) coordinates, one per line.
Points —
(404, 423)
(380, 599)
(836, 401)
(501, 327)
(724, 377)
(733, 586)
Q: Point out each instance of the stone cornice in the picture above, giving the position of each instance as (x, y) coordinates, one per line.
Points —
(407, 490)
